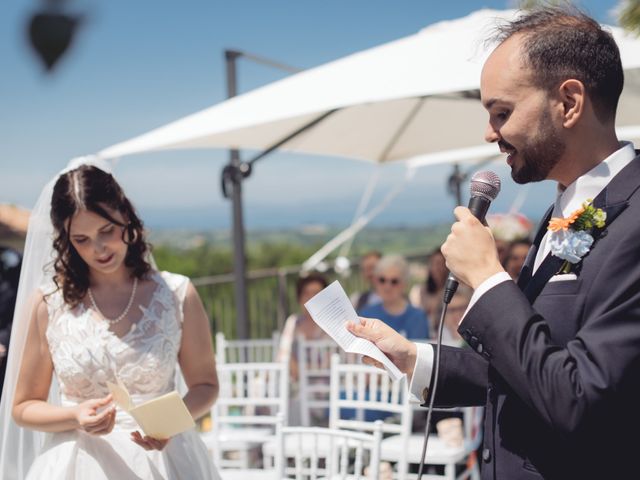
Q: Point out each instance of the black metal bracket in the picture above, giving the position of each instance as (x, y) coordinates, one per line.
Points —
(234, 174)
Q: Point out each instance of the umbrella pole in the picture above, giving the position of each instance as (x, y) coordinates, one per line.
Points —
(235, 180)
(455, 184)
(239, 256)
(232, 175)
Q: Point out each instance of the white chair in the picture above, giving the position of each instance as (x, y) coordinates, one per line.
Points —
(328, 453)
(314, 372)
(251, 399)
(251, 474)
(451, 457)
(358, 389)
(256, 350)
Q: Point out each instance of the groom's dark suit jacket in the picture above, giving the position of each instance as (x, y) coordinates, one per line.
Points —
(557, 363)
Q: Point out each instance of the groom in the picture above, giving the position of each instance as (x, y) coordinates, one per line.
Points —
(556, 358)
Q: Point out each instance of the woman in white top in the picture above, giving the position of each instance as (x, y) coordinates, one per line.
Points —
(301, 323)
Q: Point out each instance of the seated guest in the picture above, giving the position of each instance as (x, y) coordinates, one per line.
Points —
(506, 229)
(367, 266)
(452, 318)
(391, 277)
(301, 324)
(428, 295)
(516, 256)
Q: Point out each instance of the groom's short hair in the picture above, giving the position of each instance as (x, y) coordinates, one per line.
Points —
(561, 43)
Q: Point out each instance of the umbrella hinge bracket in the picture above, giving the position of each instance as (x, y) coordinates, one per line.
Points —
(234, 174)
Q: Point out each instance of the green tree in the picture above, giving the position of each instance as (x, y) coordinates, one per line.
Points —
(629, 15)
(627, 11)
(207, 259)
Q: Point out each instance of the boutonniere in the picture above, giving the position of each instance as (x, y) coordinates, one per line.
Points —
(570, 238)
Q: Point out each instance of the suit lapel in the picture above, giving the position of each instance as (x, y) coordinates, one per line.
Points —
(525, 273)
(547, 269)
(613, 199)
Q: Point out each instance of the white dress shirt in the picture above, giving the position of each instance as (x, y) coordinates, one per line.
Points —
(568, 199)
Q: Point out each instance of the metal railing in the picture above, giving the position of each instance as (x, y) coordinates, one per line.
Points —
(271, 296)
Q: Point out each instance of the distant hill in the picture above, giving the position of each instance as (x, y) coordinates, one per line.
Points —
(401, 239)
(199, 254)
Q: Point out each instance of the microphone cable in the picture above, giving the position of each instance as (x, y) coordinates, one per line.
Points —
(484, 188)
(433, 388)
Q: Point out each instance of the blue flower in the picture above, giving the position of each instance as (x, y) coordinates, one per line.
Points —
(570, 245)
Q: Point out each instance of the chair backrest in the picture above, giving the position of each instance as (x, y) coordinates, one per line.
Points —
(328, 453)
(241, 351)
(259, 391)
(314, 372)
(357, 389)
(251, 394)
(361, 394)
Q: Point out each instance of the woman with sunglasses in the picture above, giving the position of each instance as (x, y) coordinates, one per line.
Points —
(391, 278)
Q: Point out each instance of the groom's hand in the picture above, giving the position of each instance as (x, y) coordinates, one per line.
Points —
(470, 250)
(400, 351)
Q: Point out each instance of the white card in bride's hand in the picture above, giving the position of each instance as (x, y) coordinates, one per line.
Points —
(331, 310)
(161, 417)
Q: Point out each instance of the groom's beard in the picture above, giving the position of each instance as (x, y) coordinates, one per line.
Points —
(540, 154)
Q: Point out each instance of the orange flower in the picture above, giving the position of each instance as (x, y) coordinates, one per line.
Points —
(574, 216)
(558, 223)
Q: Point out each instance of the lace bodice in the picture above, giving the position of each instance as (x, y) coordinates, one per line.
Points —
(86, 354)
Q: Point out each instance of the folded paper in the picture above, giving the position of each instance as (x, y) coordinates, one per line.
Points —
(161, 417)
(331, 310)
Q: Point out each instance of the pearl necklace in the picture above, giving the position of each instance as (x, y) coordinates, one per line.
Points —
(126, 310)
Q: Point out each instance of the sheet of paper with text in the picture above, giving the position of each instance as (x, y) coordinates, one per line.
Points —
(331, 310)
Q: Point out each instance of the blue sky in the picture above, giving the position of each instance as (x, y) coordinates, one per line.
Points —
(139, 64)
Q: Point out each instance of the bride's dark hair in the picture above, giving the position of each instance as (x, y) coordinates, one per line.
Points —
(89, 188)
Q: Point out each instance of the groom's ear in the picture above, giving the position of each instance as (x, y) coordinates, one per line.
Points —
(572, 96)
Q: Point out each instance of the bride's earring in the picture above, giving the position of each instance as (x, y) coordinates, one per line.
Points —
(129, 234)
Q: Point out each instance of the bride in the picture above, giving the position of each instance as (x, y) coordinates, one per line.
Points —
(102, 314)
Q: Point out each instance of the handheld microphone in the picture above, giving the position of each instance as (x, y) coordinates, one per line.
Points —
(484, 188)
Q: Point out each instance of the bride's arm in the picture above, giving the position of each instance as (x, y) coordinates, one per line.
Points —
(196, 356)
(30, 407)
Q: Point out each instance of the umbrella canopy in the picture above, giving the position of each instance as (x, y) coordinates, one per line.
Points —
(409, 97)
(414, 97)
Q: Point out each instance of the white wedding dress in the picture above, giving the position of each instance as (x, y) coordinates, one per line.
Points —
(86, 354)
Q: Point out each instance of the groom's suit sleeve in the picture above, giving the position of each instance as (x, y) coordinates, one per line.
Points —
(472, 390)
(564, 384)
(462, 372)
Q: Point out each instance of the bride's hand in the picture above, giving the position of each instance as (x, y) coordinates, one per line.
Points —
(91, 420)
(149, 443)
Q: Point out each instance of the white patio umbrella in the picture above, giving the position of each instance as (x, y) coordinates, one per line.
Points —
(388, 103)
(410, 97)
